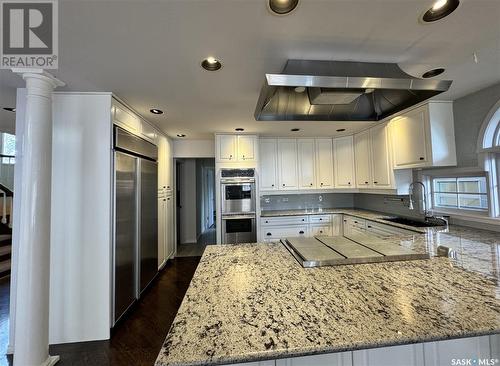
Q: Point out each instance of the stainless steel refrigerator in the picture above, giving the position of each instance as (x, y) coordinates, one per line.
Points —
(135, 250)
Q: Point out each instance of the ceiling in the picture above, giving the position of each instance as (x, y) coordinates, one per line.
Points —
(149, 52)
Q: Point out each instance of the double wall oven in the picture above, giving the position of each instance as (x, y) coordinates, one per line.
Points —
(238, 206)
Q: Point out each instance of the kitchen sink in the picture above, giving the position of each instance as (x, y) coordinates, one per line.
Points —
(430, 222)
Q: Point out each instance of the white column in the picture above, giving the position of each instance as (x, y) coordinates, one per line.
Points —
(31, 340)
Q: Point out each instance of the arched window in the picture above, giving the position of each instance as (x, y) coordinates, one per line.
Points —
(489, 149)
(489, 136)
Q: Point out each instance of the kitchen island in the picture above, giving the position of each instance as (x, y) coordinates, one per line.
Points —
(254, 302)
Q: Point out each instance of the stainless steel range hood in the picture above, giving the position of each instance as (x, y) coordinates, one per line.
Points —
(341, 91)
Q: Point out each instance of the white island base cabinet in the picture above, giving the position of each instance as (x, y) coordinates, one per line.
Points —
(474, 351)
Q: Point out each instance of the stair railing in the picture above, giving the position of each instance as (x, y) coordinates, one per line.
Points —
(4, 207)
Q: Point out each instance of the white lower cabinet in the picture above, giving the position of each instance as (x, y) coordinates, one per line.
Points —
(466, 351)
(407, 355)
(353, 225)
(275, 228)
(329, 359)
(166, 247)
(320, 230)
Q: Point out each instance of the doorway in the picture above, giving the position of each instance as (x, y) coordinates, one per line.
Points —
(195, 205)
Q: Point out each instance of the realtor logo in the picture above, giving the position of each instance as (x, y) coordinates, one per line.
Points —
(29, 34)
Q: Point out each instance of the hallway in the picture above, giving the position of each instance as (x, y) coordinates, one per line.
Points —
(197, 249)
(138, 339)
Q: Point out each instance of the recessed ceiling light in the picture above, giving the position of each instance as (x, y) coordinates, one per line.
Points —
(282, 7)
(181, 135)
(340, 129)
(432, 73)
(239, 129)
(300, 89)
(156, 111)
(9, 109)
(295, 129)
(440, 9)
(211, 64)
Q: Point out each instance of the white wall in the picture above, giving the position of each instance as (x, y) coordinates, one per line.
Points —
(194, 148)
(188, 201)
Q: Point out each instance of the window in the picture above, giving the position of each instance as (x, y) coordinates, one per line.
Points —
(8, 148)
(461, 193)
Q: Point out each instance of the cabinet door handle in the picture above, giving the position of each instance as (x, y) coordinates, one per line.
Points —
(301, 232)
(345, 220)
(268, 234)
(355, 222)
(283, 184)
(272, 185)
(303, 219)
(321, 184)
(320, 219)
(369, 226)
(422, 158)
(267, 222)
(375, 182)
(349, 183)
(366, 182)
(311, 184)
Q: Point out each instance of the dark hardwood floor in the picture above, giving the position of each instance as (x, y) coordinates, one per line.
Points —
(137, 340)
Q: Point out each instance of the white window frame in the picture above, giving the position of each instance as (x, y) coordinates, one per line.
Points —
(461, 211)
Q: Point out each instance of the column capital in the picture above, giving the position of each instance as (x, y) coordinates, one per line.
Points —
(39, 74)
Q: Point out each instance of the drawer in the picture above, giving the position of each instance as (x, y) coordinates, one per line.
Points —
(354, 221)
(320, 219)
(320, 230)
(284, 220)
(284, 232)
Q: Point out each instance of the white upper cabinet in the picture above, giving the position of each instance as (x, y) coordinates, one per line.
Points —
(227, 148)
(424, 137)
(149, 132)
(324, 163)
(125, 118)
(246, 147)
(306, 163)
(130, 121)
(236, 148)
(380, 157)
(268, 164)
(287, 164)
(343, 153)
(363, 159)
(165, 163)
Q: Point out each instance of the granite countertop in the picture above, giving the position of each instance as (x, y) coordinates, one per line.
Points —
(254, 302)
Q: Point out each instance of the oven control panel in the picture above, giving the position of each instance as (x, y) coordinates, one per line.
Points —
(237, 173)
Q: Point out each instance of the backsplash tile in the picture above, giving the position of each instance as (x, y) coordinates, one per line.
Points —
(306, 201)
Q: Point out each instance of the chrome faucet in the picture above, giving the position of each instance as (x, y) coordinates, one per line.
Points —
(424, 192)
